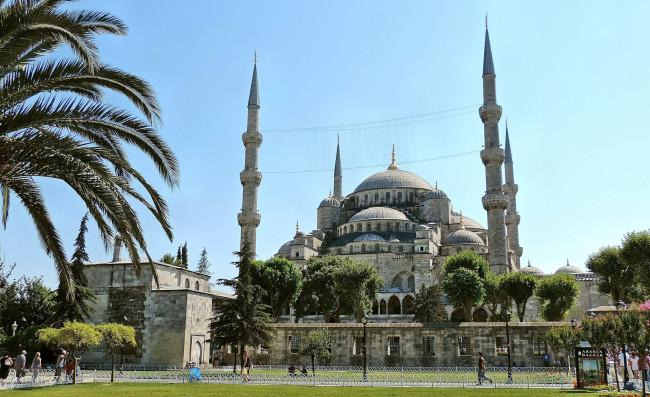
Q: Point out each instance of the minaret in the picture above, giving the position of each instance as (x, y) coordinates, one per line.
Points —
(338, 174)
(250, 178)
(512, 218)
(495, 201)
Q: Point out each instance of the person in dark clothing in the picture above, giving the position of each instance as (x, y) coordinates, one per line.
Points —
(5, 365)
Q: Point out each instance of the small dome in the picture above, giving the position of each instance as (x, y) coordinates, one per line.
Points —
(532, 270)
(464, 237)
(286, 248)
(422, 227)
(369, 237)
(378, 213)
(299, 234)
(391, 179)
(468, 223)
(330, 202)
(436, 194)
(568, 269)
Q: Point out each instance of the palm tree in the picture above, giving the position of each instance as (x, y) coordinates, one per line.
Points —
(54, 123)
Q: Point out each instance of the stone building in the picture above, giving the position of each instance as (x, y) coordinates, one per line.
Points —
(170, 317)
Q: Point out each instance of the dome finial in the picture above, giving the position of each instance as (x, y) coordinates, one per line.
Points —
(392, 165)
(330, 193)
(256, 57)
(529, 265)
(297, 226)
(436, 184)
(338, 139)
(567, 261)
(486, 15)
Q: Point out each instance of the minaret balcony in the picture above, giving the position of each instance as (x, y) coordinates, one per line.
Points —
(493, 155)
(493, 201)
(512, 219)
(249, 219)
(252, 138)
(511, 189)
(490, 112)
(248, 178)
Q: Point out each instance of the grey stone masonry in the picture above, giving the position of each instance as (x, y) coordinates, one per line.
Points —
(512, 217)
(494, 201)
(249, 219)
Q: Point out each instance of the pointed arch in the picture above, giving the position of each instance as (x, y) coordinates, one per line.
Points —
(408, 304)
(394, 305)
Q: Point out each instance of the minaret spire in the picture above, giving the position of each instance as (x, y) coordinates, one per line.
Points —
(249, 219)
(338, 173)
(495, 201)
(512, 218)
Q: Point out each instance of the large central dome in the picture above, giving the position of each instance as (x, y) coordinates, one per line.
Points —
(391, 179)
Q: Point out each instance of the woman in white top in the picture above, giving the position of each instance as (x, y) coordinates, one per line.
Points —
(634, 365)
(36, 366)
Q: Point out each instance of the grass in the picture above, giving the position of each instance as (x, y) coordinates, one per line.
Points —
(197, 390)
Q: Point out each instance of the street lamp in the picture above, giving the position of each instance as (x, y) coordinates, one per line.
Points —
(364, 321)
(620, 305)
(14, 327)
(507, 313)
(574, 323)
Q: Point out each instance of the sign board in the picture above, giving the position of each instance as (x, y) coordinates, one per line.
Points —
(591, 367)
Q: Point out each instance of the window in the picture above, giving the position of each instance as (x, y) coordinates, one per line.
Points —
(387, 197)
(363, 248)
(358, 345)
(539, 346)
(411, 282)
(464, 346)
(196, 285)
(376, 198)
(399, 197)
(365, 200)
(297, 254)
(378, 226)
(397, 282)
(421, 249)
(501, 346)
(393, 345)
(294, 344)
(187, 283)
(351, 249)
(428, 346)
(368, 226)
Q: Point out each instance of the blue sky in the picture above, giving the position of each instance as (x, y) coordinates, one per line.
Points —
(572, 78)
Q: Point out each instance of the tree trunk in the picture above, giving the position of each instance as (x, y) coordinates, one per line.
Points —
(313, 367)
(643, 373)
(467, 308)
(234, 365)
(112, 366)
(241, 359)
(74, 371)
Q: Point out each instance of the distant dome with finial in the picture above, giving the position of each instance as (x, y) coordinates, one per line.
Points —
(330, 202)
(462, 236)
(569, 269)
(392, 165)
(436, 194)
(530, 269)
(298, 232)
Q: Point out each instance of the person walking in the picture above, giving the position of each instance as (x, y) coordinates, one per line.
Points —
(481, 370)
(60, 364)
(36, 366)
(20, 363)
(5, 365)
(634, 365)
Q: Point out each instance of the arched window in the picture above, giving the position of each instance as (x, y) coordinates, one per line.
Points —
(368, 226)
(390, 248)
(408, 304)
(399, 197)
(297, 254)
(458, 315)
(414, 227)
(351, 250)
(375, 307)
(411, 197)
(410, 282)
(400, 248)
(397, 282)
(378, 226)
(345, 230)
(376, 198)
(363, 248)
(365, 200)
(382, 307)
(394, 306)
(387, 197)
(187, 283)
(480, 315)
(196, 285)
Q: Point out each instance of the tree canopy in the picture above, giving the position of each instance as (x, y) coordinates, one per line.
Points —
(616, 278)
(635, 252)
(428, 306)
(519, 287)
(463, 277)
(319, 343)
(280, 280)
(116, 336)
(204, 265)
(495, 296)
(556, 295)
(563, 340)
(55, 123)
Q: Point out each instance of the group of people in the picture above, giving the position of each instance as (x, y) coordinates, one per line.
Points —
(632, 361)
(19, 364)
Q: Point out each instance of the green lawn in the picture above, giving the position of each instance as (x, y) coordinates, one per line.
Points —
(154, 390)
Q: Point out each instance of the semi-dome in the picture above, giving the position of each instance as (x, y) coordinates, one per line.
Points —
(286, 248)
(330, 202)
(530, 269)
(378, 213)
(464, 237)
(436, 194)
(369, 237)
(393, 178)
(569, 269)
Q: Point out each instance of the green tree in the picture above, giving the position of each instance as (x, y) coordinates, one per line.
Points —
(556, 295)
(28, 298)
(464, 274)
(358, 283)
(519, 287)
(242, 321)
(600, 332)
(319, 293)
(184, 256)
(116, 336)
(319, 343)
(635, 333)
(428, 306)
(77, 308)
(616, 278)
(495, 296)
(635, 252)
(204, 265)
(74, 337)
(280, 279)
(170, 260)
(55, 123)
(563, 340)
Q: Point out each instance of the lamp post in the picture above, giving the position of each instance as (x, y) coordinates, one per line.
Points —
(574, 323)
(364, 321)
(507, 313)
(14, 327)
(620, 305)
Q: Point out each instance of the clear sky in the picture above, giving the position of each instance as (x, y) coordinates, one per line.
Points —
(572, 78)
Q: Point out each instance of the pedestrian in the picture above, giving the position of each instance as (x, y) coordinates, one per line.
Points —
(244, 361)
(19, 365)
(68, 370)
(622, 358)
(5, 365)
(547, 359)
(481, 370)
(36, 366)
(60, 364)
(634, 365)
